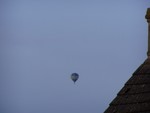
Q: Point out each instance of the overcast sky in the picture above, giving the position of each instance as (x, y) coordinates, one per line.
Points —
(42, 42)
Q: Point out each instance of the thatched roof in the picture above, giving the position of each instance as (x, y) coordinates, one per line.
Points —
(134, 97)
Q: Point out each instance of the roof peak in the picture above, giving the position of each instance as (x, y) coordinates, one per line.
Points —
(147, 16)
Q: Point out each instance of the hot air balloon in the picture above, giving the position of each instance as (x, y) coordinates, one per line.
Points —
(74, 77)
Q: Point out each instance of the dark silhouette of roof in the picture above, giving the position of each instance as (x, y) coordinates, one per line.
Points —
(134, 97)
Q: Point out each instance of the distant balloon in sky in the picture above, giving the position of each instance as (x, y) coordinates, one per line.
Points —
(74, 77)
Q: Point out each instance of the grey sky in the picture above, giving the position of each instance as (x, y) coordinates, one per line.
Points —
(43, 42)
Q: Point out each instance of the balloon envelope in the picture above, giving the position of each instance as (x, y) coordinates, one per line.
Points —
(74, 77)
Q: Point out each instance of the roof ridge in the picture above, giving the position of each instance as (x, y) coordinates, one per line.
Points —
(130, 103)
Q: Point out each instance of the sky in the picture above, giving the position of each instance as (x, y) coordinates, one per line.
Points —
(43, 42)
